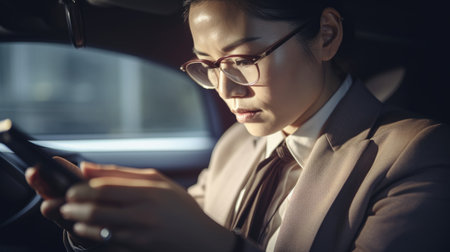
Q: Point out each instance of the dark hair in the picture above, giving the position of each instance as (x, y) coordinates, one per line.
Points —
(296, 12)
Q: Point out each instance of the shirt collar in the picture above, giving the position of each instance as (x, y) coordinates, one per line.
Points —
(302, 140)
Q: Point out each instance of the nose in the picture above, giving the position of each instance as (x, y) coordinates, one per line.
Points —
(229, 89)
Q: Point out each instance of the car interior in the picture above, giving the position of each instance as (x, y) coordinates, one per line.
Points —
(99, 80)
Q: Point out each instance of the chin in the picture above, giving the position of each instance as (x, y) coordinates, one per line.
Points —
(259, 130)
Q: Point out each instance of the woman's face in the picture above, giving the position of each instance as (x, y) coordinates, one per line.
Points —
(291, 81)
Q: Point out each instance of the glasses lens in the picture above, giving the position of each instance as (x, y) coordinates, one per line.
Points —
(240, 70)
(203, 74)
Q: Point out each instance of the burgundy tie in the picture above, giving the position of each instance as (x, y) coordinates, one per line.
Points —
(259, 192)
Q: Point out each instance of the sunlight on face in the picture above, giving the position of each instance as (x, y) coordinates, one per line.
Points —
(201, 18)
(290, 81)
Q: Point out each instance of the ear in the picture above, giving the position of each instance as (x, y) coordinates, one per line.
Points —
(331, 33)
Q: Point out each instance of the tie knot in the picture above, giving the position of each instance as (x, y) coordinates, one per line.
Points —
(284, 153)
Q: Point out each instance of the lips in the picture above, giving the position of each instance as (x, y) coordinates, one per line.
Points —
(246, 115)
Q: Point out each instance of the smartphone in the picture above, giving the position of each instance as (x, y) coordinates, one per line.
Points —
(58, 177)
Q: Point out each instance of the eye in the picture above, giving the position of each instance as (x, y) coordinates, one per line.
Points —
(243, 62)
(207, 66)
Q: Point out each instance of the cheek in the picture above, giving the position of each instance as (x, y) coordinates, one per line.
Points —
(288, 76)
(290, 64)
(293, 82)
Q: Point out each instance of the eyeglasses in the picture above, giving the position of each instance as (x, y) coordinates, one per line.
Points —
(240, 68)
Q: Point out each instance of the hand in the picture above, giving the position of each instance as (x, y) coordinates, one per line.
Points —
(143, 209)
(51, 205)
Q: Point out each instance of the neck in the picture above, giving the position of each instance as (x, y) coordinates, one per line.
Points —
(331, 83)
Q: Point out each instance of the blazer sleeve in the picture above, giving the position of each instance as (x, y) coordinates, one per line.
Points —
(410, 209)
(197, 191)
(234, 136)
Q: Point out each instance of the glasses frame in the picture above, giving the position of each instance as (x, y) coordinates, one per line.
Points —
(253, 58)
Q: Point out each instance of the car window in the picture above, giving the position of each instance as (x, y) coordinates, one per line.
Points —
(57, 92)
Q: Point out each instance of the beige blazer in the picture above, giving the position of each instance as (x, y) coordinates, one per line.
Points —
(378, 179)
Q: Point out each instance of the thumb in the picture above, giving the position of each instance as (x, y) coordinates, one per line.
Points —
(94, 170)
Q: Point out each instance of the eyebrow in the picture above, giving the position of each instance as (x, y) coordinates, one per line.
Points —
(229, 47)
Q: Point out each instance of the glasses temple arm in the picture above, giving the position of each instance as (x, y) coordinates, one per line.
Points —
(280, 42)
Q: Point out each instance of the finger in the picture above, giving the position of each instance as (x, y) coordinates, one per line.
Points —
(98, 214)
(35, 180)
(86, 212)
(105, 215)
(92, 170)
(32, 177)
(93, 232)
(37, 183)
(68, 164)
(132, 239)
(88, 231)
(115, 190)
(51, 210)
(117, 237)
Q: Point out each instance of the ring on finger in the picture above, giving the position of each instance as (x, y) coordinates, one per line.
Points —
(105, 234)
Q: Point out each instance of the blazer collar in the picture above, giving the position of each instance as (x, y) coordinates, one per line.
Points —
(330, 163)
(224, 201)
(357, 112)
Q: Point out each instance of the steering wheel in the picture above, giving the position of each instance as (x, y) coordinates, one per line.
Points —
(16, 196)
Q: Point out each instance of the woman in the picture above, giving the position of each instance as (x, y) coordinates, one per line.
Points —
(339, 171)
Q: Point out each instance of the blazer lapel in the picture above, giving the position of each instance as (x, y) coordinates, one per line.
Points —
(222, 196)
(332, 159)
